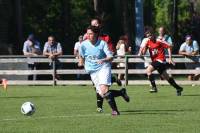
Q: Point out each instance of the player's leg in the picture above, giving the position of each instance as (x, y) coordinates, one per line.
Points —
(108, 95)
(102, 83)
(197, 76)
(122, 92)
(99, 103)
(30, 67)
(115, 79)
(151, 78)
(99, 100)
(172, 82)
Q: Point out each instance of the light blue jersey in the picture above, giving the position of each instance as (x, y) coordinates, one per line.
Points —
(190, 48)
(93, 53)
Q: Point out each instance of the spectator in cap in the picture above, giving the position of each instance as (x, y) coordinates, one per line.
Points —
(31, 48)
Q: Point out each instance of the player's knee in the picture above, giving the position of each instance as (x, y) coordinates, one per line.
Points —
(165, 75)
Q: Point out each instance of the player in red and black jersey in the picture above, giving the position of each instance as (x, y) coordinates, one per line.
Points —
(156, 49)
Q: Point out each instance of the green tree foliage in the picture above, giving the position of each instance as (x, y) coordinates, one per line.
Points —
(42, 17)
(162, 13)
(66, 20)
(81, 13)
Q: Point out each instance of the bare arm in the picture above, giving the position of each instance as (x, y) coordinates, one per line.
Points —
(81, 61)
(188, 54)
(170, 56)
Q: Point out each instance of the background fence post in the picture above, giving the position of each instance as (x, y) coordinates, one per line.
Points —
(126, 70)
(54, 72)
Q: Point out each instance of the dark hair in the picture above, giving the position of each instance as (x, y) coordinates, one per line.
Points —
(31, 37)
(94, 29)
(98, 19)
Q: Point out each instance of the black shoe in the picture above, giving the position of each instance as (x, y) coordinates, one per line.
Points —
(119, 82)
(179, 91)
(124, 95)
(153, 90)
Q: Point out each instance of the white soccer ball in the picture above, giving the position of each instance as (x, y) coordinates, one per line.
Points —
(27, 108)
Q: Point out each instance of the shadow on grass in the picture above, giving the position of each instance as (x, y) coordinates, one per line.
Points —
(164, 112)
(25, 97)
(192, 95)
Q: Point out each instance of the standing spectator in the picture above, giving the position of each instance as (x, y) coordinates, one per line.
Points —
(165, 37)
(96, 58)
(53, 50)
(122, 49)
(190, 49)
(31, 48)
(76, 50)
(4, 83)
(156, 49)
(162, 35)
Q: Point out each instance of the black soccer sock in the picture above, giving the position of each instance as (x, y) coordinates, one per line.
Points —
(116, 93)
(173, 83)
(152, 80)
(111, 101)
(1, 81)
(99, 101)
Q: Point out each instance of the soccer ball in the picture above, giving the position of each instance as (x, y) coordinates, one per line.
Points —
(27, 108)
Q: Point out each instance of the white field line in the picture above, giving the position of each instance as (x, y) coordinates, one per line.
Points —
(51, 117)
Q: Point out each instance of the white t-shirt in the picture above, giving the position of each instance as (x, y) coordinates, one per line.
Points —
(121, 50)
(77, 46)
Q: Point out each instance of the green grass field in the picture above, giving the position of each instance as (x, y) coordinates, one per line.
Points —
(72, 109)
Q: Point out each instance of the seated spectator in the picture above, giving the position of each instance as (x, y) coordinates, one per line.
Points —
(31, 48)
(190, 49)
(53, 50)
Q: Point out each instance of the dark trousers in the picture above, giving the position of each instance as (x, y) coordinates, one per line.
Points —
(32, 67)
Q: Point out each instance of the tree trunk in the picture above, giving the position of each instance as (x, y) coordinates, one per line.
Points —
(19, 26)
(98, 6)
(66, 23)
(175, 24)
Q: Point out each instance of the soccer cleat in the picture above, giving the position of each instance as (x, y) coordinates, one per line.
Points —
(115, 113)
(153, 90)
(5, 83)
(125, 95)
(99, 110)
(179, 91)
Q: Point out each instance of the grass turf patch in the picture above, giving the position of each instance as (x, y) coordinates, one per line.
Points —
(72, 109)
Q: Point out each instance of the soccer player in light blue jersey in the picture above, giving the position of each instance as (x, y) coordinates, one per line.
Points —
(96, 57)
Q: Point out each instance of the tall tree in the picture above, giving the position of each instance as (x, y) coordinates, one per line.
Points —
(19, 26)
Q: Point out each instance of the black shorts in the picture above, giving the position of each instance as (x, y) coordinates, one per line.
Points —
(160, 67)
